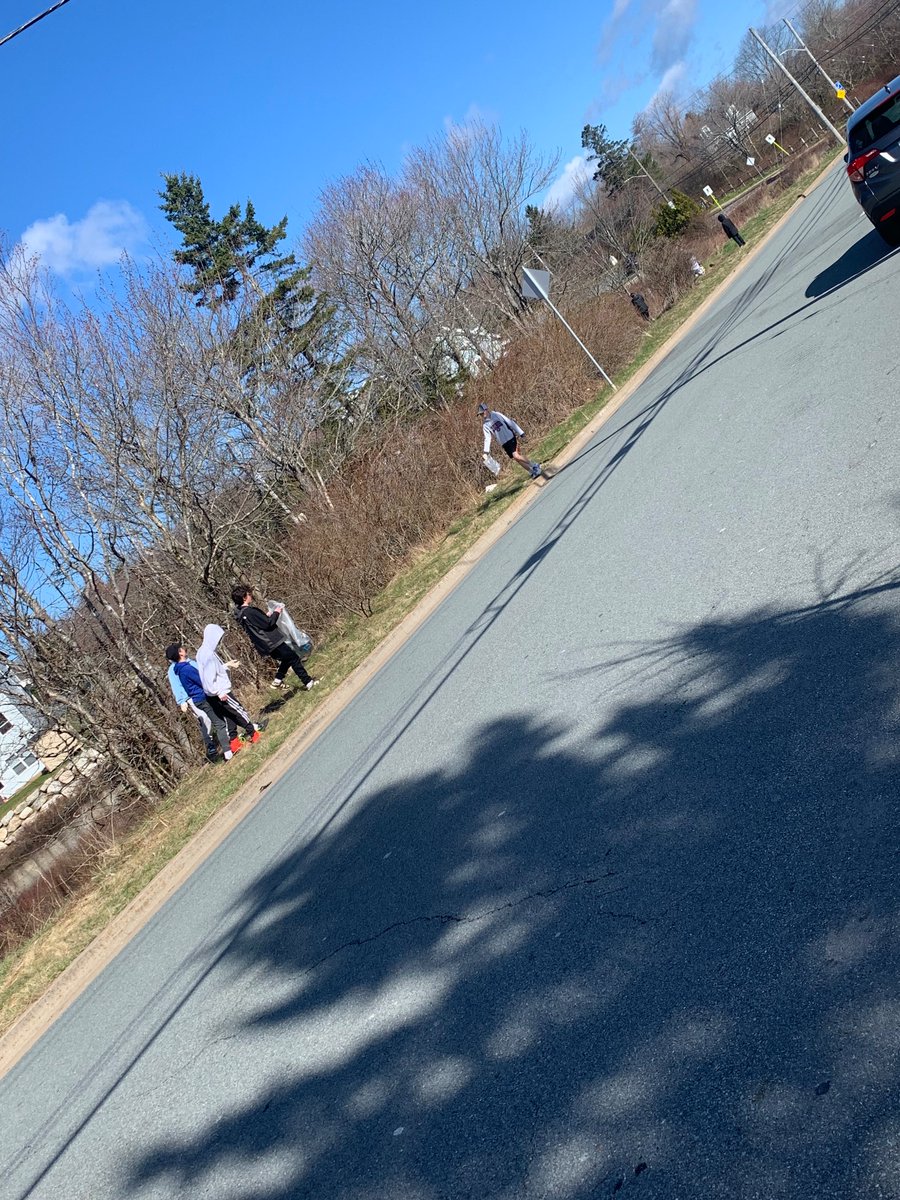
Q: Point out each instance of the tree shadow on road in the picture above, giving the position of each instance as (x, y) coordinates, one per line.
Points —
(656, 958)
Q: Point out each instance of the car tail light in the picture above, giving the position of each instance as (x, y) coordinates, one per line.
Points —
(856, 170)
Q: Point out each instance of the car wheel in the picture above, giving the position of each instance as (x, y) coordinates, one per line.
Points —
(890, 231)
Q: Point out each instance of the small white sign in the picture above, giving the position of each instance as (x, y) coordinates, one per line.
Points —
(707, 191)
(751, 161)
(770, 138)
(535, 284)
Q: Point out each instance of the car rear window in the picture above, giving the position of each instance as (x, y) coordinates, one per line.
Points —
(879, 122)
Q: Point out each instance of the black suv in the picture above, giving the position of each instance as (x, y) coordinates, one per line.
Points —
(873, 159)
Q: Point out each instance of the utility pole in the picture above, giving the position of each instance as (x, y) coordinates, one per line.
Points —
(644, 171)
(817, 64)
(839, 137)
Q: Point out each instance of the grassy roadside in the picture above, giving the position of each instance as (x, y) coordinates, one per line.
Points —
(127, 867)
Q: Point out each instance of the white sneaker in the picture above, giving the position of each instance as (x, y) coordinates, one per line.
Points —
(228, 755)
(312, 683)
(276, 684)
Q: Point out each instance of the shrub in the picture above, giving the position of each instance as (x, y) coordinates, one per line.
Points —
(670, 222)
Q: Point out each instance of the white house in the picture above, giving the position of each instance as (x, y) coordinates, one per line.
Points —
(466, 350)
(19, 727)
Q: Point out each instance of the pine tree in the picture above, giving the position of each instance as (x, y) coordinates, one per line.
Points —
(238, 258)
(610, 158)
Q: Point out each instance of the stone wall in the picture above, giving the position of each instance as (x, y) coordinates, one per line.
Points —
(45, 838)
(50, 796)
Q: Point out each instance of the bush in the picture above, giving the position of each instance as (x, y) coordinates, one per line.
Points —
(670, 222)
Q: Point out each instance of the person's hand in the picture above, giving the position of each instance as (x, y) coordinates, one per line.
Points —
(224, 696)
(183, 707)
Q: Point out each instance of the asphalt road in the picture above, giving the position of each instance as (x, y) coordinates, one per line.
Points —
(593, 891)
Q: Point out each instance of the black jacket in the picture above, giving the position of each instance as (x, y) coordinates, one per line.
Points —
(730, 228)
(262, 630)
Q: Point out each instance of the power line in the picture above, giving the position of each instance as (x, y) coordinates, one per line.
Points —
(809, 100)
(34, 20)
(806, 74)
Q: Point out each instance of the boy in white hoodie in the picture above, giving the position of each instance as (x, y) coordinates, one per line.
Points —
(217, 684)
(508, 434)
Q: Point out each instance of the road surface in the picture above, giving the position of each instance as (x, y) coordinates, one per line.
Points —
(593, 891)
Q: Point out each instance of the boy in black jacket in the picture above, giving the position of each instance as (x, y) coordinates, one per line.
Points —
(262, 630)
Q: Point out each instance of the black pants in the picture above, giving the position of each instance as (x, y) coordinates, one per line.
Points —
(736, 237)
(221, 723)
(288, 659)
(229, 710)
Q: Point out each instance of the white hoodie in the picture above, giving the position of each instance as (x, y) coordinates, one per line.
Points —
(215, 679)
(503, 428)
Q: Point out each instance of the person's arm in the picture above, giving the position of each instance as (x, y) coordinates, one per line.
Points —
(181, 696)
(487, 437)
(264, 622)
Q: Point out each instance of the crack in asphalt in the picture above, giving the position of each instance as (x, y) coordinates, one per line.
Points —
(457, 919)
(439, 918)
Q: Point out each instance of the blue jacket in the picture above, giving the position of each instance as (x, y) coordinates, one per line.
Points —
(184, 679)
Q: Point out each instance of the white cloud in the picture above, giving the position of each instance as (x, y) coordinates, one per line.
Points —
(673, 33)
(612, 27)
(474, 115)
(669, 81)
(669, 26)
(109, 229)
(562, 191)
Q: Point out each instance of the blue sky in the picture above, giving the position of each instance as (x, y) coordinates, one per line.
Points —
(274, 100)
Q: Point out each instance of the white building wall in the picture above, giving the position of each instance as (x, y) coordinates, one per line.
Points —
(18, 762)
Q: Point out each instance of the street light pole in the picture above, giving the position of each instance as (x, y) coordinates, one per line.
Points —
(644, 171)
(839, 137)
(816, 63)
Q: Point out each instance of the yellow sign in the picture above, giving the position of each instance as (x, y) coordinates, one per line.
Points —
(841, 93)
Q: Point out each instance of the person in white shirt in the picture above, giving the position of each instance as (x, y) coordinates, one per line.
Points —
(507, 433)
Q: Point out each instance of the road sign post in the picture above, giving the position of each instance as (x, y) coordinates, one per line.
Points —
(536, 286)
(707, 191)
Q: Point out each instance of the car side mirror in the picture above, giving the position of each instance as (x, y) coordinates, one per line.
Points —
(847, 157)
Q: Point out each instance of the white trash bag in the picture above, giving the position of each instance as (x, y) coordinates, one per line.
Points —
(297, 637)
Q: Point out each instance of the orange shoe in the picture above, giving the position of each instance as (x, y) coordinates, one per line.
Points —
(236, 744)
(256, 736)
